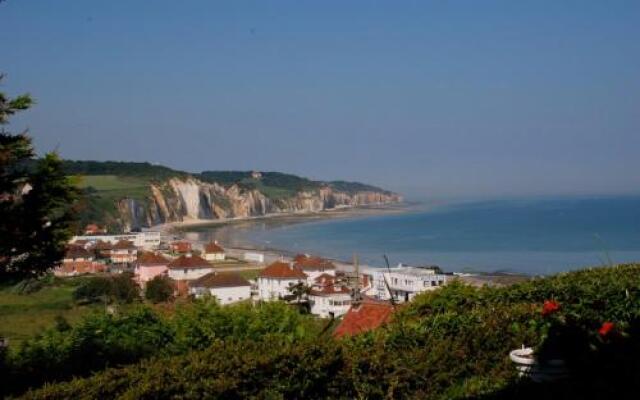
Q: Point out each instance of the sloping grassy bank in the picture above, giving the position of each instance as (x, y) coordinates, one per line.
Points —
(452, 343)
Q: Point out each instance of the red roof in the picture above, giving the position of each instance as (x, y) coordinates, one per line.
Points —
(213, 248)
(124, 245)
(220, 279)
(325, 279)
(149, 258)
(181, 247)
(363, 318)
(282, 270)
(192, 261)
(310, 263)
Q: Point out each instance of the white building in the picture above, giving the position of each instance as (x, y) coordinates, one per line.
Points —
(405, 282)
(226, 287)
(275, 280)
(146, 240)
(329, 299)
(123, 252)
(213, 252)
(189, 267)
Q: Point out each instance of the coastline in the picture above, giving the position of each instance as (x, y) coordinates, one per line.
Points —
(286, 218)
(228, 231)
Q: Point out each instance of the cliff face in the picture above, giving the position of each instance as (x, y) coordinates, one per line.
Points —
(189, 199)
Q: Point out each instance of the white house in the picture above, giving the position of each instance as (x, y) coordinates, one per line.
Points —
(329, 299)
(123, 252)
(189, 267)
(405, 282)
(275, 280)
(226, 287)
(213, 252)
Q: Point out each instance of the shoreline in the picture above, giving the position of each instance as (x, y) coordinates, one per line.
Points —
(292, 217)
(271, 254)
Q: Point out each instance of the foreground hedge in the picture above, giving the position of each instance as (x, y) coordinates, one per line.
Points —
(103, 340)
(448, 344)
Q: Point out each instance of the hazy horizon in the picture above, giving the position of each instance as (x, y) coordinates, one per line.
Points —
(430, 99)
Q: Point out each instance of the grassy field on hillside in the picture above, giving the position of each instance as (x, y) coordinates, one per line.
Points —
(116, 186)
(24, 315)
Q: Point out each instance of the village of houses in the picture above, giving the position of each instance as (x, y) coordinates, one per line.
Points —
(363, 298)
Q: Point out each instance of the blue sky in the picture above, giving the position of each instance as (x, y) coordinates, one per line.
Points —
(431, 98)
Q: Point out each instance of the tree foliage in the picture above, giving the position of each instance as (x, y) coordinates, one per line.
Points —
(36, 202)
(120, 288)
(448, 344)
(159, 289)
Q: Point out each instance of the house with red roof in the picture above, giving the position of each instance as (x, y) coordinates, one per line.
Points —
(275, 280)
(314, 266)
(73, 268)
(367, 315)
(329, 298)
(189, 267)
(148, 266)
(226, 287)
(213, 252)
(123, 252)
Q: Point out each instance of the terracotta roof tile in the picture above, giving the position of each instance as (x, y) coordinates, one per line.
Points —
(310, 263)
(282, 270)
(364, 317)
(220, 279)
(124, 245)
(192, 261)
(149, 258)
(213, 248)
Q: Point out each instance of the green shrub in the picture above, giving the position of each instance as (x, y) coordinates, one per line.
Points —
(120, 288)
(452, 343)
(159, 289)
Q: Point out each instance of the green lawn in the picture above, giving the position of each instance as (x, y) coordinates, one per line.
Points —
(24, 315)
(115, 187)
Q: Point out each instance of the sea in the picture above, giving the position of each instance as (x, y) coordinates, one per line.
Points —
(533, 236)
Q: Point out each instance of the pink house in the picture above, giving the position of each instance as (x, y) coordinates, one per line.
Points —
(148, 266)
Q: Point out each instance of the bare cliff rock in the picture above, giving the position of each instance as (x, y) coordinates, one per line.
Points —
(184, 199)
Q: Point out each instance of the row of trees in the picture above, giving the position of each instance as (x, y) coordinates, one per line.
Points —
(37, 201)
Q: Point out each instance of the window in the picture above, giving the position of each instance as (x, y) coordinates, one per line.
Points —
(433, 283)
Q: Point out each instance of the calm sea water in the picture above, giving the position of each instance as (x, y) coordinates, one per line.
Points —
(533, 237)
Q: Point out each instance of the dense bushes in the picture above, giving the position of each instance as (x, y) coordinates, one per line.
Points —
(105, 340)
(120, 288)
(159, 289)
(452, 343)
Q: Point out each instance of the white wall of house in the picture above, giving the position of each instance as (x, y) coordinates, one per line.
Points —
(123, 256)
(274, 289)
(224, 295)
(324, 306)
(405, 283)
(214, 256)
(188, 274)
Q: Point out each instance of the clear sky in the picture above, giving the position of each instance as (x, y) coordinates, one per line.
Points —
(434, 98)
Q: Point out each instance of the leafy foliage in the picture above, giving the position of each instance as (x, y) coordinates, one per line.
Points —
(104, 340)
(120, 288)
(159, 289)
(452, 343)
(36, 204)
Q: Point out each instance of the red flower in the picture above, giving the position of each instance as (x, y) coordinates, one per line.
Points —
(606, 328)
(550, 306)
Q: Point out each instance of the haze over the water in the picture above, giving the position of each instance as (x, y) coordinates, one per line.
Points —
(444, 99)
